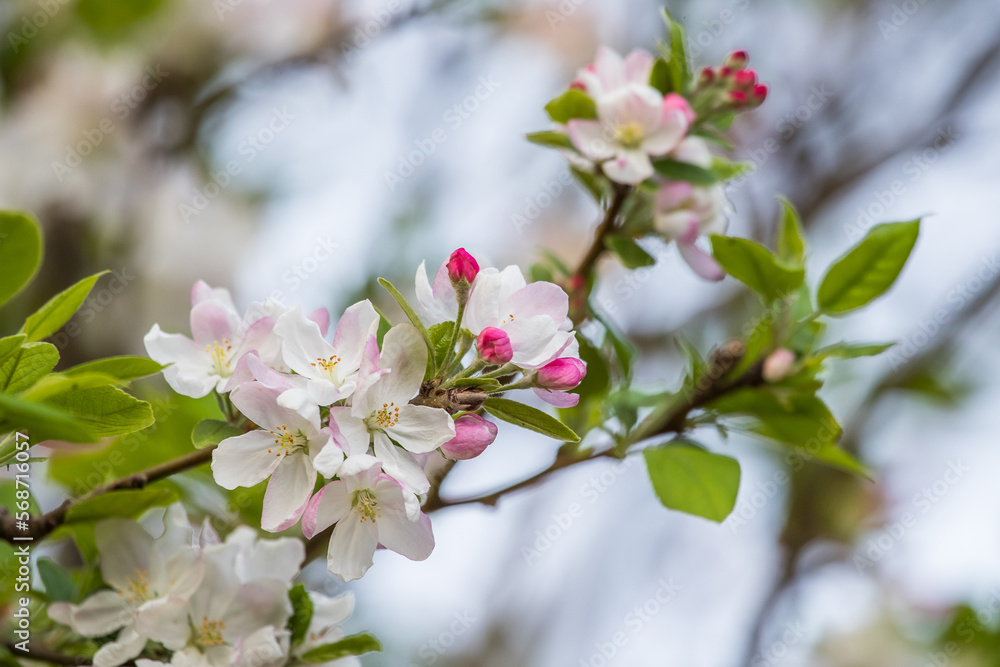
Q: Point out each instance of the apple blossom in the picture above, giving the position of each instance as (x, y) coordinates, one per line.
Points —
(219, 338)
(533, 317)
(381, 414)
(148, 577)
(328, 370)
(368, 508)
(473, 435)
(685, 212)
(610, 72)
(284, 452)
(561, 374)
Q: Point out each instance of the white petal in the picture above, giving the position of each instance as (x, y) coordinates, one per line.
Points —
(190, 372)
(330, 612)
(330, 504)
(287, 493)
(245, 460)
(405, 354)
(271, 559)
(352, 548)
(591, 138)
(353, 433)
(400, 464)
(629, 167)
(540, 298)
(126, 551)
(100, 614)
(421, 428)
(413, 539)
(128, 645)
(437, 303)
(355, 325)
(166, 621)
(302, 344)
(257, 604)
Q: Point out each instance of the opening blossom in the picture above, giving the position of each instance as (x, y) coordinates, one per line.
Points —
(283, 450)
(685, 212)
(368, 508)
(473, 435)
(439, 300)
(634, 120)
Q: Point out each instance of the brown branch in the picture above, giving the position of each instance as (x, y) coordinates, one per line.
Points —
(42, 525)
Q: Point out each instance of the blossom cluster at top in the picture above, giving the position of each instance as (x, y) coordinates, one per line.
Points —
(635, 128)
(364, 410)
(212, 603)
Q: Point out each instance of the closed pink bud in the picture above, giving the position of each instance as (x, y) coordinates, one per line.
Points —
(737, 98)
(745, 78)
(737, 60)
(561, 374)
(462, 266)
(778, 365)
(674, 102)
(706, 76)
(473, 435)
(759, 93)
(494, 346)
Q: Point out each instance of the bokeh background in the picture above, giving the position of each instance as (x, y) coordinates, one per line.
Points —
(251, 143)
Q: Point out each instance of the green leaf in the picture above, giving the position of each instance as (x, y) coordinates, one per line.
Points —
(726, 169)
(302, 613)
(482, 383)
(348, 646)
(677, 56)
(210, 432)
(754, 265)
(676, 170)
(530, 418)
(796, 420)
(692, 480)
(43, 422)
(26, 366)
(59, 585)
(56, 312)
(630, 253)
(597, 380)
(105, 411)
(122, 369)
(551, 139)
(9, 345)
(756, 343)
(868, 269)
(440, 334)
(660, 77)
(414, 319)
(593, 183)
(791, 245)
(127, 504)
(853, 351)
(571, 104)
(20, 252)
(111, 19)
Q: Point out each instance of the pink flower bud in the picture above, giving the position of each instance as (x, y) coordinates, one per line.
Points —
(778, 365)
(674, 102)
(736, 98)
(462, 266)
(759, 93)
(706, 76)
(561, 374)
(737, 60)
(473, 435)
(494, 346)
(745, 78)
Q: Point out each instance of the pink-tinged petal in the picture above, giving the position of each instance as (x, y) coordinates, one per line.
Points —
(355, 326)
(266, 375)
(673, 195)
(321, 316)
(323, 392)
(674, 102)
(302, 344)
(560, 399)
(639, 66)
(245, 460)
(701, 262)
(360, 471)
(483, 309)
(421, 428)
(591, 138)
(666, 137)
(413, 539)
(633, 104)
(165, 620)
(540, 298)
(212, 323)
(260, 338)
(355, 437)
(352, 548)
(610, 69)
(405, 354)
(371, 369)
(202, 291)
(260, 405)
(438, 302)
(629, 167)
(693, 150)
(532, 339)
(288, 492)
(190, 371)
(400, 465)
(677, 225)
(330, 504)
(127, 646)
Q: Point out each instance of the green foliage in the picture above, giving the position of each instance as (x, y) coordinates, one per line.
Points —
(302, 613)
(121, 369)
(676, 170)
(630, 253)
(57, 311)
(571, 104)
(112, 19)
(26, 366)
(105, 411)
(675, 55)
(690, 479)
(868, 269)
(209, 432)
(528, 417)
(358, 644)
(59, 584)
(754, 266)
(20, 252)
(440, 334)
(414, 319)
(551, 139)
(791, 245)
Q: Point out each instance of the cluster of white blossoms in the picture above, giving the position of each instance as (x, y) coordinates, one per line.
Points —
(209, 603)
(351, 409)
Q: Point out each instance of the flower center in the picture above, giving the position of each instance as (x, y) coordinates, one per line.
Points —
(508, 319)
(384, 417)
(629, 135)
(366, 504)
(219, 352)
(137, 587)
(209, 633)
(327, 364)
(286, 442)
